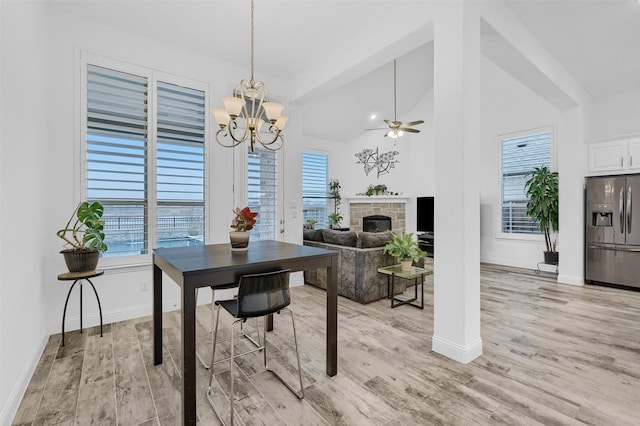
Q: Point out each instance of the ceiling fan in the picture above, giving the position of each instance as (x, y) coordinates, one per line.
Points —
(397, 128)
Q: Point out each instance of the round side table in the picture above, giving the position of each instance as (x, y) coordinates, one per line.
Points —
(79, 277)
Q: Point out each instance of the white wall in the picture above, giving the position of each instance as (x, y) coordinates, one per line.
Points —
(507, 107)
(616, 115)
(26, 145)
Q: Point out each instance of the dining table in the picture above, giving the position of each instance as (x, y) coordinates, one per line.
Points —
(213, 265)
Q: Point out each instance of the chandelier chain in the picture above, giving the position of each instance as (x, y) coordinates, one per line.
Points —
(252, 43)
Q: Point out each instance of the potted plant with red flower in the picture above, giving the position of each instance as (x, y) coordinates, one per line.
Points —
(242, 223)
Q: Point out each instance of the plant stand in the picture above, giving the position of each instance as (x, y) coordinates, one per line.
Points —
(538, 270)
(79, 277)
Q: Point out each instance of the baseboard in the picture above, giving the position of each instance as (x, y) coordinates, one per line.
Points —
(123, 314)
(463, 354)
(570, 279)
(12, 403)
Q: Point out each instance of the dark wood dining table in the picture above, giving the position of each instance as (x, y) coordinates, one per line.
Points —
(216, 265)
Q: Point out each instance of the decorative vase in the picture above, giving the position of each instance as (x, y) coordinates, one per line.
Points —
(239, 241)
(405, 265)
(81, 260)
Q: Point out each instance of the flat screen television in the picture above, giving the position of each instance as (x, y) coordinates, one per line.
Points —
(424, 214)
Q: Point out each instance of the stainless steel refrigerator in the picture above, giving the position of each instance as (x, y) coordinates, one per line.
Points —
(612, 234)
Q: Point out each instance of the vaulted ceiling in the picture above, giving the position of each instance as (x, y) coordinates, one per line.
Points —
(334, 57)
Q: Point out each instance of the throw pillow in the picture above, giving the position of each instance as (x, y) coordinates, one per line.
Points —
(341, 238)
(374, 239)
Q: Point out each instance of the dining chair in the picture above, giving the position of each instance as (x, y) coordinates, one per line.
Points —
(257, 342)
(259, 295)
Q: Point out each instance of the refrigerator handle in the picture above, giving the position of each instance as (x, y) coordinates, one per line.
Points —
(621, 206)
(629, 210)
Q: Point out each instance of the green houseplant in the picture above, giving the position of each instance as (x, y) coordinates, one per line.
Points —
(334, 190)
(404, 249)
(84, 237)
(542, 207)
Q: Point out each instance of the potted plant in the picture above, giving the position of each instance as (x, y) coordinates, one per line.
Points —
(242, 223)
(334, 189)
(542, 207)
(310, 224)
(84, 237)
(404, 249)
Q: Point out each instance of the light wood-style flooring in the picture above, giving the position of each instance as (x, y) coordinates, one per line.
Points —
(553, 354)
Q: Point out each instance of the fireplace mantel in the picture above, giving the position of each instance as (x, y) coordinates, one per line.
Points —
(394, 206)
(374, 199)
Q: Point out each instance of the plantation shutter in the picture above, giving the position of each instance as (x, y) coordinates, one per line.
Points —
(262, 191)
(117, 140)
(315, 203)
(519, 157)
(180, 165)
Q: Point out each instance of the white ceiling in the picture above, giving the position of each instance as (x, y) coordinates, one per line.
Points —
(300, 41)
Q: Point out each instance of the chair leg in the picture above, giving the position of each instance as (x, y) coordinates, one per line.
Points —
(298, 393)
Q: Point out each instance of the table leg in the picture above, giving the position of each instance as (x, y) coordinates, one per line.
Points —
(157, 315)
(269, 322)
(332, 317)
(188, 326)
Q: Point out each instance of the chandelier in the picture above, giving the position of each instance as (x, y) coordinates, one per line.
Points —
(248, 114)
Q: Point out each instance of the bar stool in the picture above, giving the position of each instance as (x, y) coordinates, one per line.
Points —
(257, 342)
(79, 277)
(259, 295)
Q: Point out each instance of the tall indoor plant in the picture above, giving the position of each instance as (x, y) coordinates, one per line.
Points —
(542, 207)
(84, 237)
(336, 217)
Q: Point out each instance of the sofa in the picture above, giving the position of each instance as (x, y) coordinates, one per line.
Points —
(360, 254)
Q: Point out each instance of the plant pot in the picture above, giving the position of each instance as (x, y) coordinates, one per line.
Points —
(239, 241)
(405, 265)
(81, 260)
(551, 257)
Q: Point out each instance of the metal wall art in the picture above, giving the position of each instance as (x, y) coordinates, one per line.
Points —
(382, 163)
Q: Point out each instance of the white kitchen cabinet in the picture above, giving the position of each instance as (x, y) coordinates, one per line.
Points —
(614, 157)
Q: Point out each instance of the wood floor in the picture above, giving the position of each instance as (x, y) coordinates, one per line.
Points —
(553, 354)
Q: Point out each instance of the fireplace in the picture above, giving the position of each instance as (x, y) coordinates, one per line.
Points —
(376, 223)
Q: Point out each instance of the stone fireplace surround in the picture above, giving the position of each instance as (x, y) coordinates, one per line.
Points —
(394, 207)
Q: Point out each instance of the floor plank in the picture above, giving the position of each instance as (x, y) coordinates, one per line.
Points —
(553, 355)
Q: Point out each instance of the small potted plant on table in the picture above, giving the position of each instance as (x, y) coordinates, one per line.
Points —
(242, 223)
(84, 236)
(404, 249)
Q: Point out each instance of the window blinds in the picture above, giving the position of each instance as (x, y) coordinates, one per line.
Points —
(117, 141)
(314, 188)
(519, 157)
(262, 191)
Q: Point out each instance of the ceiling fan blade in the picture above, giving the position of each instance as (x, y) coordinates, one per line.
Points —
(410, 130)
(413, 123)
(387, 121)
(378, 128)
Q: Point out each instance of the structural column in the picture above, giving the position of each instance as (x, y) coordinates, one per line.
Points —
(457, 198)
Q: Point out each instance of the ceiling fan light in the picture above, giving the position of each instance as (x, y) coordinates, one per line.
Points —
(399, 133)
(232, 105)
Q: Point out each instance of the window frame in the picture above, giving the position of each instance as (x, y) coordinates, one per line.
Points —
(552, 164)
(152, 76)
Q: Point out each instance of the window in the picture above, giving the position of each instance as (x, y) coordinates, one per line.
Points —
(262, 189)
(519, 157)
(315, 204)
(144, 159)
